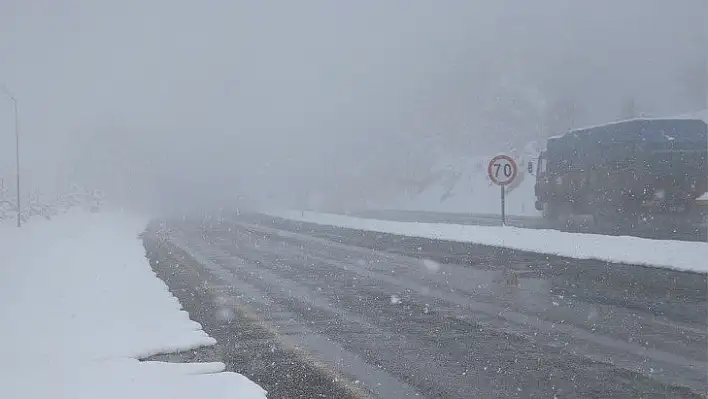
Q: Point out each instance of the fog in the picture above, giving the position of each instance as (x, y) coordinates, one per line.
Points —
(174, 104)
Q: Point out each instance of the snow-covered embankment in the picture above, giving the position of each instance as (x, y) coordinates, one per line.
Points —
(80, 305)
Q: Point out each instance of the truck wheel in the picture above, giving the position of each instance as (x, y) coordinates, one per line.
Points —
(539, 206)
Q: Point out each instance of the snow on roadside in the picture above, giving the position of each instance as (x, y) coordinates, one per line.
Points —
(680, 255)
(80, 304)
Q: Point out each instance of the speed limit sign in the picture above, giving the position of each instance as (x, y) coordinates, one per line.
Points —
(502, 170)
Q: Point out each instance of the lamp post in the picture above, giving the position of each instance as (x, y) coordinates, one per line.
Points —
(17, 150)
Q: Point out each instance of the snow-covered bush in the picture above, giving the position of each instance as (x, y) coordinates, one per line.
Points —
(36, 205)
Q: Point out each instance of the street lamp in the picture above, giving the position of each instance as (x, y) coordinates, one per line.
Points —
(17, 149)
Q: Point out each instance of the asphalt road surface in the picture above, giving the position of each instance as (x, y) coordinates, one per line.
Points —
(394, 317)
(663, 228)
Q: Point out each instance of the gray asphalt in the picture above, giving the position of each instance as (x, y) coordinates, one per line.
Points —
(663, 228)
(245, 343)
(402, 317)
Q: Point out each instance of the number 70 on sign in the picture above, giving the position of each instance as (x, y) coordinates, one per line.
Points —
(502, 170)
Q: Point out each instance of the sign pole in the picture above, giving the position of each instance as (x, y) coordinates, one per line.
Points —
(502, 171)
(503, 206)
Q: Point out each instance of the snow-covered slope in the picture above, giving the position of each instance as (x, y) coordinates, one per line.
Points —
(461, 185)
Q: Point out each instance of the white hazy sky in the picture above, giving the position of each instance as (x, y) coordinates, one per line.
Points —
(186, 102)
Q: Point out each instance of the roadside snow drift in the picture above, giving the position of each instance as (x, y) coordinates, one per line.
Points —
(79, 305)
(681, 255)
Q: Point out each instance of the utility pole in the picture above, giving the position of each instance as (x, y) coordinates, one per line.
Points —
(17, 151)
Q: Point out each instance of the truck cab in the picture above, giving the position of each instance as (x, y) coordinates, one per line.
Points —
(540, 170)
(546, 184)
(626, 168)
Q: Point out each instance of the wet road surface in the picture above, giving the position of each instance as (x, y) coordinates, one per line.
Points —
(404, 317)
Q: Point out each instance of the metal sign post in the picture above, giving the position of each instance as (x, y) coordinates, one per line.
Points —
(502, 171)
(503, 205)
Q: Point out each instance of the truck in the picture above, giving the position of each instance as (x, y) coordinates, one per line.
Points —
(632, 168)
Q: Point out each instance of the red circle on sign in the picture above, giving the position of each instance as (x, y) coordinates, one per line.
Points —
(493, 171)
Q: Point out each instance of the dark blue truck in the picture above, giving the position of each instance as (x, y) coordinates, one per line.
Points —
(629, 168)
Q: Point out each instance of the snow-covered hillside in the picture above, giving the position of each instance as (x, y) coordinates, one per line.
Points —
(461, 185)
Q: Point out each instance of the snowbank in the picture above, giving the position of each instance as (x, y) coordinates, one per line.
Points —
(80, 305)
(679, 255)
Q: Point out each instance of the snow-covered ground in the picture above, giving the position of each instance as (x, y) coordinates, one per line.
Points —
(461, 185)
(80, 305)
(679, 255)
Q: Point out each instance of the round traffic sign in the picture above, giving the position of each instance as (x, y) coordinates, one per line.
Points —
(502, 170)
